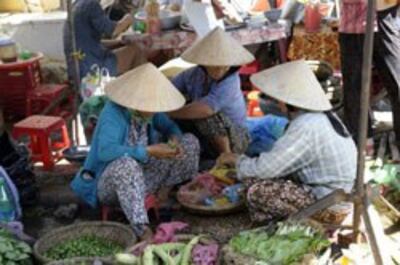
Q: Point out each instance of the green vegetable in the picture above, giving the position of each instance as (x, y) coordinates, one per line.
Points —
(85, 246)
(286, 246)
(12, 251)
(126, 259)
(188, 250)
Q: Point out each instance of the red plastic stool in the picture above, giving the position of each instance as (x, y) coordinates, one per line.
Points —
(253, 104)
(39, 128)
(150, 202)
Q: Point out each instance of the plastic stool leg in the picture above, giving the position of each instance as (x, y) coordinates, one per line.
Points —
(46, 154)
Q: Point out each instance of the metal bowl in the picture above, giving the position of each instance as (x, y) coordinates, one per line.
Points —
(168, 19)
(273, 15)
(76, 154)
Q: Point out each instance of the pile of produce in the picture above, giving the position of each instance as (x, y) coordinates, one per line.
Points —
(287, 245)
(12, 251)
(198, 251)
(214, 188)
(85, 246)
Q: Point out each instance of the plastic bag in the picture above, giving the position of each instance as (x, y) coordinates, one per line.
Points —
(94, 82)
(10, 208)
(264, 132)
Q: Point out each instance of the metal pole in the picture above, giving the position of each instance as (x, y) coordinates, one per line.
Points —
(76, 75)
(364, 106)
(361, 202)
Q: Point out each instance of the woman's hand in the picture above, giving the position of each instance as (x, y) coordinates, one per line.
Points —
(227, 159)
(161, 151)
(175, 144)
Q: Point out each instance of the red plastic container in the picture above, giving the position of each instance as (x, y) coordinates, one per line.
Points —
(16, 81)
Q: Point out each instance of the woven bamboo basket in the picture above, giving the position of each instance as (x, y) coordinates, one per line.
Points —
(82, 261)
(111, 231)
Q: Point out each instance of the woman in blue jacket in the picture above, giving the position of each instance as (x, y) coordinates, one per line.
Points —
(128, 158)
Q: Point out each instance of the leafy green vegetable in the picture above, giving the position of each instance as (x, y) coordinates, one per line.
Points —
(13, 251)
(85, 246)
(286, 246)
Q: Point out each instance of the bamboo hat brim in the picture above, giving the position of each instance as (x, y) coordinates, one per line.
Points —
(217, 48)
(145, 88)
(106, 3)
(174, 67)
(293, 83)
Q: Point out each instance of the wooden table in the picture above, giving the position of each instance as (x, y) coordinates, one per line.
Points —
(179, 39)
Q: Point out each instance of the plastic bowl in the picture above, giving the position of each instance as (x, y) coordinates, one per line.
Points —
(273, 15)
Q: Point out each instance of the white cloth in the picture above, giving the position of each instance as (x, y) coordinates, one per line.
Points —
(312, 150)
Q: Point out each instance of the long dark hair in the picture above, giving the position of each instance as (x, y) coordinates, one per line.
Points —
(336, 123)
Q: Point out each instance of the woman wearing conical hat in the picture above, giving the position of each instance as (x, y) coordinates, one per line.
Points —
(129, 156)
(316, 151)
(215, 111)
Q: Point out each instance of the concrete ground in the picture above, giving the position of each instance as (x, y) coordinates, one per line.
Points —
(56, 194)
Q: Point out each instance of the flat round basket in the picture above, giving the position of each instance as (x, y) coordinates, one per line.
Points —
(82, 261)
(213, 210)
(112, 231)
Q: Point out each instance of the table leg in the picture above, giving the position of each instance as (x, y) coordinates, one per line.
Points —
(283, 49)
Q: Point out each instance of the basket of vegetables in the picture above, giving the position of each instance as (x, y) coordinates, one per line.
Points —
(86, 239)
(212, 193)
(82, 261)
(186, 249)
(13, 251)
(284, 244)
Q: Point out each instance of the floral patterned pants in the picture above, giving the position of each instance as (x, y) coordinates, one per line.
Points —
(128, 182)
(276, 199)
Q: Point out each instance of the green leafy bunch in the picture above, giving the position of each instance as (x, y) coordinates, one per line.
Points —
(13, 251)
(286, 246)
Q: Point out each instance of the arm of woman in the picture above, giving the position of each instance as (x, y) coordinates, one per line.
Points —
(110, 147)
(122, 25)
(195, 110)
(166, 126)
(293, 151)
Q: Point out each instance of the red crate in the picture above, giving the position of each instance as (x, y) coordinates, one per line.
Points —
(16, 80)
(41, 97)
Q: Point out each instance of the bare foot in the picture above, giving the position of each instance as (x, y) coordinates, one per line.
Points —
(147, 235)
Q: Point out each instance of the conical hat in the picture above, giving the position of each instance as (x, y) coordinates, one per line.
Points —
(293, 83)
(174, 67)
(106, 3)
(217, 48)
(145, 88)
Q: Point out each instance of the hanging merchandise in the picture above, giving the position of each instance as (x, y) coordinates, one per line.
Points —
(94, 81)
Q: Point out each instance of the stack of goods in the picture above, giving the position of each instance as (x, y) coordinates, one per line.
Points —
(214, 189)
(288, 244)
(167, 247)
